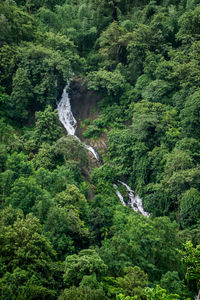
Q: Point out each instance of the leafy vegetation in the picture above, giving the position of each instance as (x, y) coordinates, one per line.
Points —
(63, 232)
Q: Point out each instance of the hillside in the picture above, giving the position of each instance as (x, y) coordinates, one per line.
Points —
(126, 225)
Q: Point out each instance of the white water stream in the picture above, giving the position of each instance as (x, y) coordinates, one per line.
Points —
(65, 113)
(69, 122)
(119, 195)
(67, 119)
(135, 201)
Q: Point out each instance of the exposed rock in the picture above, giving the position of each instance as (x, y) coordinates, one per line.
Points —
(84, 105)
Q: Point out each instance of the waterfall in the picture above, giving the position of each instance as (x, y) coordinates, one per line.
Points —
(65, 114)
(67, 119)
(135, 201)
(119, 195)
(96, 155)
(69, 122)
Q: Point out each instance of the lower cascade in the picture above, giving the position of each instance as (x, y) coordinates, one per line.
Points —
(119, 195)
(135, 201)
(69, 122)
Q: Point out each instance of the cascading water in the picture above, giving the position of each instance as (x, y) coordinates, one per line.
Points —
(135, 201)
(67, 119)
(69, 122)
(65, 114)
(96, 155)
(119, 195)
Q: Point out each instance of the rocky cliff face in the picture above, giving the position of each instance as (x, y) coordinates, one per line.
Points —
(84, 104)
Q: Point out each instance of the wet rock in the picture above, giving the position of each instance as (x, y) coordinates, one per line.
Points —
(84, 104)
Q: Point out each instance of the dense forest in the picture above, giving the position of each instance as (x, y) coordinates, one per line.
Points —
(64, 234)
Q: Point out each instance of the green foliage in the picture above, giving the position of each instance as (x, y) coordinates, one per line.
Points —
(28, 258)
(64, 229)
(16, 25)
(191, 257)
(189, 208)
(188, 24)
(10, 137)
(78, 22)
(45, 158)
(7, 64)
(143, 59)
(133, 282)
(190, 115)
(47, 128)
(108, 82)
(92, 131)
(3, 157)
(158, 293)
(71, 149)
(63, 220)
(103, 177)
(113, 44)
(172, 283)
(120, 146)
(156, 91)
(87, 262)
(152, 245)
(84, 293)
(57, 180)
(22, 92)
(40, 70)
(72, 197)
(123, 297)
(19, 164)
(24, 194)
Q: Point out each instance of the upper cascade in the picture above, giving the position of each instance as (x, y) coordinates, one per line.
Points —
(67, 119)
(65, 114)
